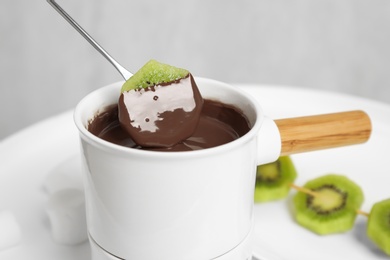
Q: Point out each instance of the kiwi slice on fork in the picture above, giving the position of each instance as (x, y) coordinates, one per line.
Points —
(273, 179)
(378, 226)
(331, 207)
(160, 105)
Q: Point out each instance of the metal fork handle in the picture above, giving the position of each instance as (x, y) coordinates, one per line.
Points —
(124, 72)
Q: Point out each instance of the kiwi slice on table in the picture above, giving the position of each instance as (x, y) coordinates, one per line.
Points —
(273, 179)
(378, 226)
(334, 207)
(154, 73)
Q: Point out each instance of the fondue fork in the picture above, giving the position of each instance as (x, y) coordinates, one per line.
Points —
(124, 72)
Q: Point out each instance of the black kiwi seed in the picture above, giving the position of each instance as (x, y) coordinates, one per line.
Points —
(333, 209)
(318, 209)
(273, 179)
(270, 179)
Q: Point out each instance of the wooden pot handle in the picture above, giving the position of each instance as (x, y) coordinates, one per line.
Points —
(309, 133)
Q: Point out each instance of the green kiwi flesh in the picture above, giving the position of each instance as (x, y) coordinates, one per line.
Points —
(334, 209)
(378, 226)
(153, 73)
(273, 179)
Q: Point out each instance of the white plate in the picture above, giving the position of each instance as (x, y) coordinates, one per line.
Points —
(29, 156)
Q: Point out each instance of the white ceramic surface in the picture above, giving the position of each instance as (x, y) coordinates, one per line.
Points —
(177, 205)
(29, 156)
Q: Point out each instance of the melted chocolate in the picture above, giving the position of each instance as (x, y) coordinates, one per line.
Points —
(162, 115)
(218, 124)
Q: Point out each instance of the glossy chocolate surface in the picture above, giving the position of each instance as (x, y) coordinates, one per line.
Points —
(218, 124)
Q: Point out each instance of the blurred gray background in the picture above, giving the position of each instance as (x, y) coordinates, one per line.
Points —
(46, 67)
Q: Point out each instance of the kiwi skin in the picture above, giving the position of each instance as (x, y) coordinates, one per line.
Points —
(378, 225)
(338, 220)
(153, 73)
(273, 180)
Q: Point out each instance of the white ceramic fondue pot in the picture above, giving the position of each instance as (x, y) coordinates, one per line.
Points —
(193, 205)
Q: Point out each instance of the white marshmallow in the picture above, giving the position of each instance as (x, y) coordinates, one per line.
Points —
(66, 211)
(10, 233)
